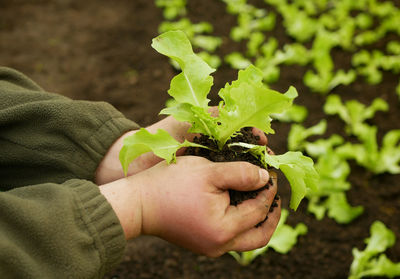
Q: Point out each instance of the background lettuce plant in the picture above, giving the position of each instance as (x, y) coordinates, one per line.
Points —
(371, 261)
(282, 241)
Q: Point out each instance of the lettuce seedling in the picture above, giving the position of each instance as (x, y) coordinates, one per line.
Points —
(353, 113)
(172, 8)
(324, 79)
(371, 262)
(295, 113)
(237, 61)
(367, 153)
(282, 241)
(298, 134)
(330, 197)
(393, 47)
(333, 170)
(251, 21)
(246, 102)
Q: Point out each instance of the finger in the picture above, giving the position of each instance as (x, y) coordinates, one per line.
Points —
(263, 138)
(249, 213)
(240, 176)
(256, 237)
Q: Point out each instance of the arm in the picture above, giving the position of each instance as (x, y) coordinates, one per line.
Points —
(51, 223)
(51, 230)
(51, 138)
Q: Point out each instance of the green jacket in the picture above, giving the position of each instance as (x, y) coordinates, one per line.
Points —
(54, 222)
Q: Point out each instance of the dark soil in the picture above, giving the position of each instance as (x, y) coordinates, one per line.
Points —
(230, 154)
(100, 50)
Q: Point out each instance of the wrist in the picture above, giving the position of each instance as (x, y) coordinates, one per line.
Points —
(125, 199)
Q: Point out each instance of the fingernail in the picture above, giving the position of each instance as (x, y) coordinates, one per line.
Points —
(264, 175)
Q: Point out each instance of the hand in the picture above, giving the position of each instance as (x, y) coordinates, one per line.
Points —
(187, 203)
(110, 167)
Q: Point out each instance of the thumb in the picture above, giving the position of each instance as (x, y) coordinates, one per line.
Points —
(239, 176)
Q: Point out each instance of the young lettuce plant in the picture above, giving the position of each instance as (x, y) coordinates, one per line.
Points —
(372, 262)
(333, 170)
(246, 102)
(282, 241)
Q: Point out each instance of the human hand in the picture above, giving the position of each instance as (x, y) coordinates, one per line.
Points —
(110, 168)
(187, 203)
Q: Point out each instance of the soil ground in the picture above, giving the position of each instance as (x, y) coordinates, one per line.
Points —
(100, 50)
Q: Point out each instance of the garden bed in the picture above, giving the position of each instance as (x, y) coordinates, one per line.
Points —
(100, 50)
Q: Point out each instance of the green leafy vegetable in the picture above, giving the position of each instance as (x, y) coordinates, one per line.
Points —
(161, 144)
(282, 241)
(367, 153)
(298, 134)
(371, 261)
(324, 79)
(333, 171)
(246, 102)
(370, 64)
(172, 8)
(298, 169)
(237, 60)
(295, 113)
(353, 113)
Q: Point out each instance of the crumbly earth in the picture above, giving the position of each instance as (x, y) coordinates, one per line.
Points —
(230, 154)
(100, 50)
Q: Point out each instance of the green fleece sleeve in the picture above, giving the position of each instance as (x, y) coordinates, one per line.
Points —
(50, 138)
(52, 231)
(54, 222)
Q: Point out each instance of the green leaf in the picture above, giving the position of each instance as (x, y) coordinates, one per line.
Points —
(366, 263)
(282, 241)
(172, 8)
(295, 113)
(330, 197)
(161, 144)
(320, 147)
(300, 172)
(285, 237)
(389, 155)
(393, 47)
(237, 60)
(298, 134)
(240, 109)
(208, 43)
(201, 120)
(340, 210)
(353, 113)
(255, 41)
(212, 60)
(193, 84)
